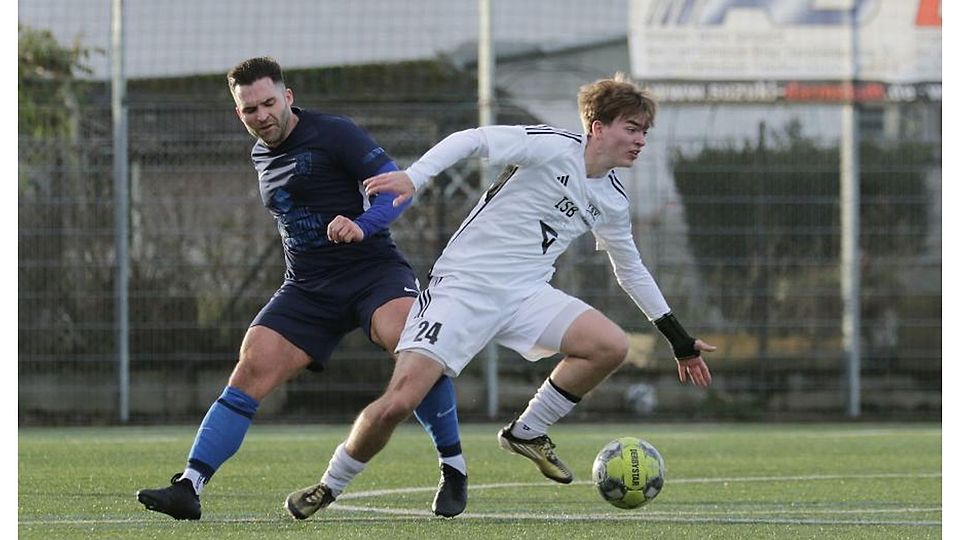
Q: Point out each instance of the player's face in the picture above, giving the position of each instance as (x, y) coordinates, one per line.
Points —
(623, 139)
(264, 108)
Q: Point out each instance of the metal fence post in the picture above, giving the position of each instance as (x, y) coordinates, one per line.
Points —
(121, 199)
(486, 103)
(850, 227)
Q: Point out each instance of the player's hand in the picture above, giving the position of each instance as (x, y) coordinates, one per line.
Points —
(695, 368)
(396, 182)
(342, 230)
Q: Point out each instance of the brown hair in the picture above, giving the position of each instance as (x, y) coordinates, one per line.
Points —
(608, 99)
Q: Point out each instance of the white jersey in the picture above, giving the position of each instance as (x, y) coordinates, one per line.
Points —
(540, 203)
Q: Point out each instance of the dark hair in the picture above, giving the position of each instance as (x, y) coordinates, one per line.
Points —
(252, 70)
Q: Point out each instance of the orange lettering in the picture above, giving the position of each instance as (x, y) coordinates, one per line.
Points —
(928, 13)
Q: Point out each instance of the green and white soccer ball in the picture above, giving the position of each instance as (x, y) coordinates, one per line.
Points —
(628, 472)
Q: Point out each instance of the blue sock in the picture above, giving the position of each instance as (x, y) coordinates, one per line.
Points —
(437, 414)
(222, 431)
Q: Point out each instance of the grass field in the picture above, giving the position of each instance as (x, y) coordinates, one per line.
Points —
(723, 481)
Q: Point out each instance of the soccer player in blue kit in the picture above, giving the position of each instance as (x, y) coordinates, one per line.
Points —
(343, 271)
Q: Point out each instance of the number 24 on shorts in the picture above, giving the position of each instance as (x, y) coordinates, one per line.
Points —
(428, 331)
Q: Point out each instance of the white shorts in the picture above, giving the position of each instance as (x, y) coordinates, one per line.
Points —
(454, 319)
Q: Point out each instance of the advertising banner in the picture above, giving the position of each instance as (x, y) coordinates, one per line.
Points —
(795, 50)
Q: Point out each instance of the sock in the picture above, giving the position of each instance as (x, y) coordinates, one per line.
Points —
(437, 413)
(220, 435)
(197, 480)
(548, 405)
(341, 470)
(457, 462)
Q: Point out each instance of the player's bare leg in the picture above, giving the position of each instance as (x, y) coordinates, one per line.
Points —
(413, 376)
(595, 348)
(437, 413)
(267, 360)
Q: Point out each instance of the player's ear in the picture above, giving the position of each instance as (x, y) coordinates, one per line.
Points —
(596, 127)
(288, 95)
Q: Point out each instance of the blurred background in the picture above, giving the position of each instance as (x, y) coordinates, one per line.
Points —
(788, 200)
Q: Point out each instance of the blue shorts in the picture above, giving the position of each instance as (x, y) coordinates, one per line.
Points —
(316, 319)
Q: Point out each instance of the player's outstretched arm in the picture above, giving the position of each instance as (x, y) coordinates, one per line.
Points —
(686, 349)
(695, 368)
(397, 182)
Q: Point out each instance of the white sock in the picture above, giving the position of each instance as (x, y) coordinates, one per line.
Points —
(457, 462)
(196, 479)
(341, 470)
(545, 408)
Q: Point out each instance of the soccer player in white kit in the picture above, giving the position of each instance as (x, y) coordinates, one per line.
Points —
(491, 283)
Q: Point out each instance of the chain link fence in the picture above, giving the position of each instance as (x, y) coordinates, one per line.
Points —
(740, 228)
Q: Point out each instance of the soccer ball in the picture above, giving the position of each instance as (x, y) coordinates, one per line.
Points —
(628, 472)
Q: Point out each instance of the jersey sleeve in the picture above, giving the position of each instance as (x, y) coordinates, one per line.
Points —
(382, 212)
(616, 239)
(501, 144)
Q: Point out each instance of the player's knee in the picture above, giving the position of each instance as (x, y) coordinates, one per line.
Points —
(245, 375)
(613, 350)
(255, 376)
(394, 409)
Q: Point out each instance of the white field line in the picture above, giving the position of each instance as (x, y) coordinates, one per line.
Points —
(688, 517)
(741, 479)
(685, 516)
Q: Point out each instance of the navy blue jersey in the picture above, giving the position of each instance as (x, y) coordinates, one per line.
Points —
(312, 177)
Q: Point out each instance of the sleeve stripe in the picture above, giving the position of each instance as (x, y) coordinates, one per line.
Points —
(547, 130)
(615, 182)
(615, 179)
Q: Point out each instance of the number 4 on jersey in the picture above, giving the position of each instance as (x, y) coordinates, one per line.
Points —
(428, 332)
(549, 236)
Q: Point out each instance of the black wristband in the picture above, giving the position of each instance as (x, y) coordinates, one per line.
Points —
(679, 339)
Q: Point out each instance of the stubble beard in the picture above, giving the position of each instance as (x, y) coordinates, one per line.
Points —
(281, 126)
